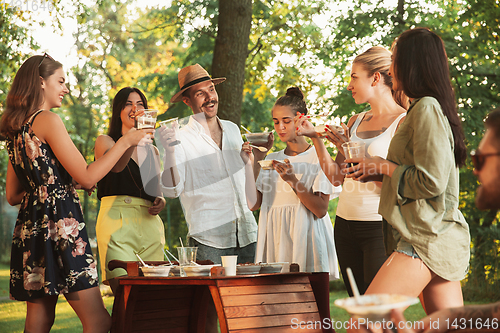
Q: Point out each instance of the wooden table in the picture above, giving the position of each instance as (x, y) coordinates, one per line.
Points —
(246, 303)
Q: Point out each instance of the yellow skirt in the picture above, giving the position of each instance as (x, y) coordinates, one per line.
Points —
(124, 227)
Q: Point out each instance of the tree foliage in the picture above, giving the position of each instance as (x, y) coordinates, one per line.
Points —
(13, 37)
(288, 44)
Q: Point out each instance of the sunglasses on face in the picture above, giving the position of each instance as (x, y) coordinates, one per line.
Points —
(478, 158)
(45, 55)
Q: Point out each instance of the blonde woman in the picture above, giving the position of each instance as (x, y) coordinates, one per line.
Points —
(358, 225)
(421, 180)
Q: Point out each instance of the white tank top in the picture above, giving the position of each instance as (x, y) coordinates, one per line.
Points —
(359, 201)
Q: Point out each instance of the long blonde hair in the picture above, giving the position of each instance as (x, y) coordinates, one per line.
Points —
(378, 60)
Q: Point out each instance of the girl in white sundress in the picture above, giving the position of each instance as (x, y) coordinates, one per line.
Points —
(294, 225)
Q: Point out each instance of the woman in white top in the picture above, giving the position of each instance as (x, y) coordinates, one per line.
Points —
(358, 226)
(294, 225)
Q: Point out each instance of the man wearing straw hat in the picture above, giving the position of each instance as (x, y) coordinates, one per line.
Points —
(211, 183)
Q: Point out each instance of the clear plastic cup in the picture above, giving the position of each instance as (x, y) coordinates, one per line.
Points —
(353, 149)
(146, 119)
(169, 123)
(187, 256)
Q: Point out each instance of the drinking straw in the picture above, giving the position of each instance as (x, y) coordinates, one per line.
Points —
(172, 255)
(246, 129)
(354, 287)
(167, 256)
(182, 245)
(142, 261)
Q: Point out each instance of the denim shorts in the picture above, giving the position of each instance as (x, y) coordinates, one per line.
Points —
(406, 248)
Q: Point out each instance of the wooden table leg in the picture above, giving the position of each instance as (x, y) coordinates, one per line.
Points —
(198, 316)
(320, 285)
(120, 308)
(214, 290)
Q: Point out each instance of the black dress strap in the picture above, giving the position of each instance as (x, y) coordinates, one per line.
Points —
(33, 116)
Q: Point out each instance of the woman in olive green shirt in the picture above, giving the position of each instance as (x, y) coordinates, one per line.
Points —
(419, 199)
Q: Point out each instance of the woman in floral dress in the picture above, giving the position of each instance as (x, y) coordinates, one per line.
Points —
(50, 253)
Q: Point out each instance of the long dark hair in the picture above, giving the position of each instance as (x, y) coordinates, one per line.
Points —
(421, 67)
(293, 98)
(26, 95)
(119, 103)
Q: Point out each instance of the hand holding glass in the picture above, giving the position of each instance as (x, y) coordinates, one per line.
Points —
(353, 149)
(146, 119)
(171, 124)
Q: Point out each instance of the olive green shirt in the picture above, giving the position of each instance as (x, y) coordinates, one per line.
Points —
(420, 200)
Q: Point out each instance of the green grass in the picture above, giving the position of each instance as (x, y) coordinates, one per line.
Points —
(13, 313)
(4, 281)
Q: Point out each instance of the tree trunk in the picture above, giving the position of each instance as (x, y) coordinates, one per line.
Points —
(399, 22)
(230, 53)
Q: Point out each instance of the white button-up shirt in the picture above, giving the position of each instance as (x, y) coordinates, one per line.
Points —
(212, 186)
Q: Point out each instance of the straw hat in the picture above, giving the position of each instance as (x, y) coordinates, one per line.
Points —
(191, 75)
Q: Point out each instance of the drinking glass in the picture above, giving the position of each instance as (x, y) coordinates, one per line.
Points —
(187, 256)
(171, 123)
(146, 119)
(353, 149)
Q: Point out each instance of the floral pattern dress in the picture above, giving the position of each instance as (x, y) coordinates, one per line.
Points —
(51, 254)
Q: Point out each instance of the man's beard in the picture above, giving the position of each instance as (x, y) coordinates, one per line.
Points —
(487, 199)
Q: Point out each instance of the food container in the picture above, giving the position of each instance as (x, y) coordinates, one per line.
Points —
(375, 307)
(266, 164)
(257, 138)
(155, 270)
(320, 129)
(339, 129)
(200, 270)
(269, 268)
(247, 269)
(175, 271)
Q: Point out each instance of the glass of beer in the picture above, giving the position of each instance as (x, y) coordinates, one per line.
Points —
(353, 149)
(145, 119)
